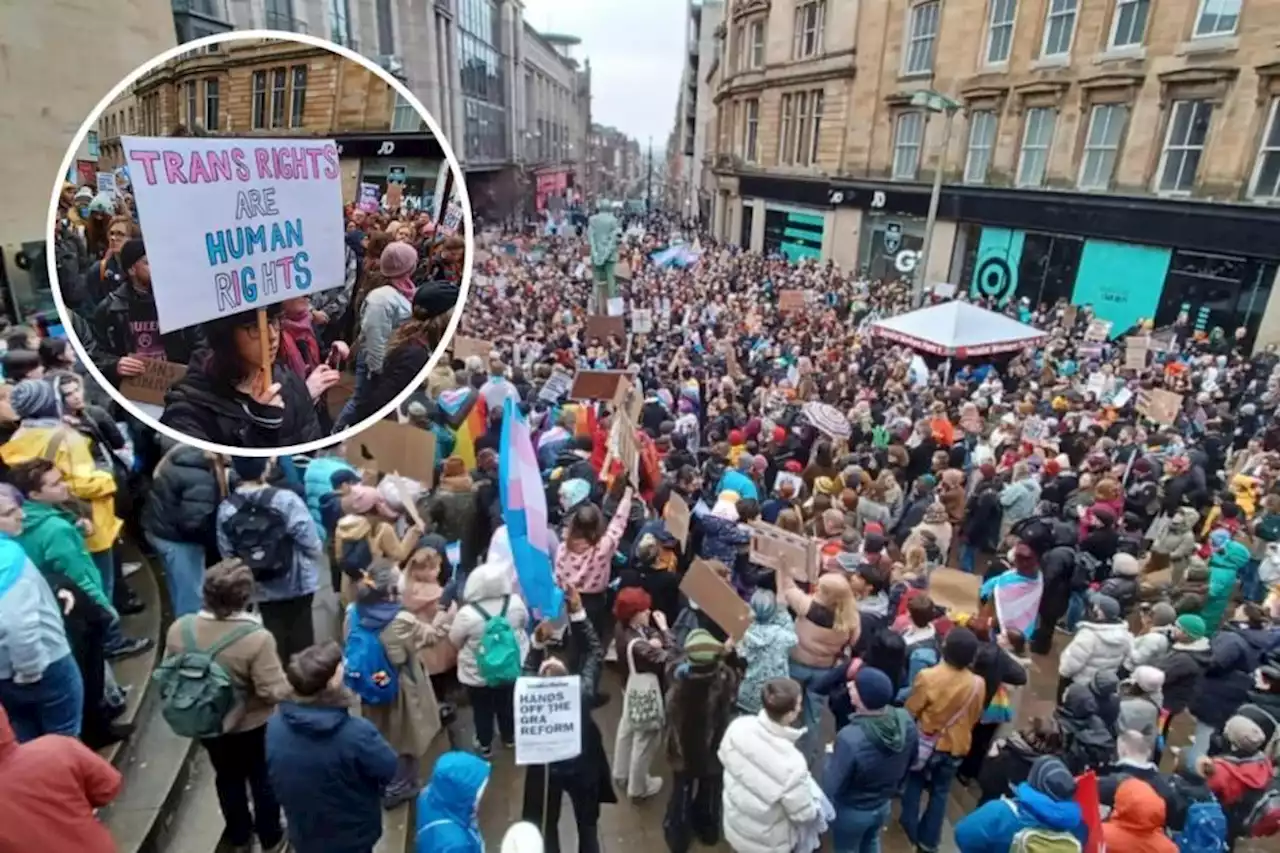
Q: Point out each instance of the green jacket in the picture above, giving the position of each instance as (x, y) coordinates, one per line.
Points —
(54, 544)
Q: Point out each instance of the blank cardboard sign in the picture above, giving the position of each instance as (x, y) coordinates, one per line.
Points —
(597, 384)
(603, 327)
(464, 348)
(676, 515)
(955, 590)
(389, 447)
(717, 598)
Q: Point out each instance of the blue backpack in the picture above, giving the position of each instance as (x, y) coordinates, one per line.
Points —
(368, 670)
(1205, 830)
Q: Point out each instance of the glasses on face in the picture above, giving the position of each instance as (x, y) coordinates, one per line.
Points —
(252, 331)
(118, 235)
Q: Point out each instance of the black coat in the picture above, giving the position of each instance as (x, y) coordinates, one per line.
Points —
(982, 514)
(183, 498)
(115, 337)
(1234, 653)
(1184, 667)
(199, 408)
(400, 370)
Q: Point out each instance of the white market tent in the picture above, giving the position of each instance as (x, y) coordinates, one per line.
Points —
(957, 329)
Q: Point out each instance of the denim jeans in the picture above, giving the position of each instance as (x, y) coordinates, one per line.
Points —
(106, 564)
(935, 779)
(347, 415)
(858, 830)
(968, 558)
(1075, 610)
(183, 571)
(811, 707)
(1250, 587)
(1199, 743)
(51, 706)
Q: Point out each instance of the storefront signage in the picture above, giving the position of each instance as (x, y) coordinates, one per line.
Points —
(995, 275)
(906, 260)
(407, 145)
(888, 201)
(892, 237)
(397, 175)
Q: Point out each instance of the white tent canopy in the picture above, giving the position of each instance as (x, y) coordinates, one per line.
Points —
(957, 329)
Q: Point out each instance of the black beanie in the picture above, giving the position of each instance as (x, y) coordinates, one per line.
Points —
(434, 298)
(960, 648)
(130, 253)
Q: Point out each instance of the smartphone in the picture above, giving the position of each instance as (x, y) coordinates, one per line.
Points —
(335, 358)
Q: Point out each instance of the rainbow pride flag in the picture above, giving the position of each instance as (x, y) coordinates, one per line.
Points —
(466, 417)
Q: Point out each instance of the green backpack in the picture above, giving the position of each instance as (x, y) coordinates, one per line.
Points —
(498, 657)
(197, 692)
(1036, 840)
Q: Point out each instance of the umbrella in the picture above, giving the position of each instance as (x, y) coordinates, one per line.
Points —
(827, 418)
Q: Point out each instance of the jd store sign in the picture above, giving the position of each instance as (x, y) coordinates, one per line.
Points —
(880, 201)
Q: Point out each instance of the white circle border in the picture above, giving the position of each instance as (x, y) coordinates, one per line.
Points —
(458, 180)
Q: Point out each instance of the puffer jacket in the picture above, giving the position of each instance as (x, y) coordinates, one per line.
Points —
(585, 566)
(1224, 570)
(1178, 542)
(991, 829)
(766, 647)
(184, 497)
(1137, 822)
(766, 786)
(1184, 667)
(488, 585)
(1096, 647)
(1233, 656)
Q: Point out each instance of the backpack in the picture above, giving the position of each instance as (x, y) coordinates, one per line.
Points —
(1268, 528)
(1205, 829)
(498, 657)
(259, 535)
(368, 670)
(1257, 815)
(1034, 839)
(196, 692)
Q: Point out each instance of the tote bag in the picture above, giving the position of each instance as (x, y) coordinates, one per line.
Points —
(642, 702)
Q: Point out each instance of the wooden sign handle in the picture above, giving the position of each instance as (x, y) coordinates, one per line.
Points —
(264, 341)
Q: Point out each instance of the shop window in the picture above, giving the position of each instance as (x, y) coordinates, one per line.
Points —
(907, 138)
(211, 106)
(923, 36)
(1000, 30)
(1037, 137)
(808, 24)
(298, 103)
(1217, 18)
(279, 84)
(259, 100)
(751, 130)
(1059, 27)
(1216, 290)
(386, 28)
(1129, 23)
(757, 44)
(1266, 172)
(1102, 145)
(1047, 268)
(1184, 143)
(982, 140)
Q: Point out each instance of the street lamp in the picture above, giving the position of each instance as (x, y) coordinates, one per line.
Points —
(932, 102)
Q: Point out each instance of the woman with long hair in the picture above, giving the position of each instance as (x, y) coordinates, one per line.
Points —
(105, 275)
(411, 346)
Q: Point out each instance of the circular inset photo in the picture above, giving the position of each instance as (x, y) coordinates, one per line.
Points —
(272, 251)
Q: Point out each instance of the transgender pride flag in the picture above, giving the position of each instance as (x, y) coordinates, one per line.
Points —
(524, 510)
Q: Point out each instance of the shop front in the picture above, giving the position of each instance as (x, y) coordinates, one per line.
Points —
(412, 160)
(794, 234)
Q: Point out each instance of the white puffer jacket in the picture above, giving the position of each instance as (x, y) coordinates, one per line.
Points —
(766, 786)
(486, 586)
(1096, 647)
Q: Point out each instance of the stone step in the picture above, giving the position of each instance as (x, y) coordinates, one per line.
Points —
(135, 672)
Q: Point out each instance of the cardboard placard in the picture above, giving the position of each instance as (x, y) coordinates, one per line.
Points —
(395, 195)
(622, 270)
(548, 714)
(1069, 315)
(1159, 405)
(1099, 330)
(777, 549)
(641, 321)
(464, 348)
(628, 448)
(597, 384)
(603, 327)
(791, 300)
(156, 380)
(677, 517)
(557, 385)
(1135, 352)
(388, 447)
(955, 590)
(717, 599)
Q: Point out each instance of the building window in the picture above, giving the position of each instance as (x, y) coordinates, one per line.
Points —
(816, 98)
(131, 127)
(1102, 145)
(340, 22)
(802, 124)
(757, 44)
(751, 130)
(1183, 145)
(405, 117)
(1000, 31)
(1059, 26)
(191, 104)
(737, 48)
(259, 100)
(298, 102)
(807, 38)
(982, 140)
(211, 108)
(279, 15)
(1217, 18)
(1037, 137)
(1129, 25)
(1266, 173)
(787, 129)
(278, 87)
(923, 36)
(386, 29)
(907, 138)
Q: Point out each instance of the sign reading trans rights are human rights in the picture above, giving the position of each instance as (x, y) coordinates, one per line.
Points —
(236, 224)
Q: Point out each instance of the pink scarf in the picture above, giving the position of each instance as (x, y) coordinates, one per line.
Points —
(297, 335)
(405, 286)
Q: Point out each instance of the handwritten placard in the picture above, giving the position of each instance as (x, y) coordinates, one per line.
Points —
(1099, 330)
(603, 327)
(791, 300)
(955, 590)
(597, 384)
(395, 195)
(236, 224)
(1159, 405)
(715, 597)
(642, 321)
(1135, 352)
(154, 382)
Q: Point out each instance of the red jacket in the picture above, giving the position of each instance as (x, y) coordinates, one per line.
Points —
(49, 788)
(1233, 777)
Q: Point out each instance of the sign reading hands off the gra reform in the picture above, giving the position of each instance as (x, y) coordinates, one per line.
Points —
(232, 225)
(548, 719)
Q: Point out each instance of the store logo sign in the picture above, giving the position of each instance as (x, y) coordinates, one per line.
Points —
(386, 148)
(892, 237)
(877, 200)
(906, 260)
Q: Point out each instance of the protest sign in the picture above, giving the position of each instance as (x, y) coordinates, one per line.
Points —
(616, 307)
(464, 347)
(1097, 384)
(715, 597)
(1069, 315)
(395, 195)
(955, 590)
(795, 480)
(622, 270)
(597, 384)
(604, 327)
(677, 518)
(369, 198)
(641, 321)
(107, 183)
(548, 714)
(1159, 405)
(234, 225)
(388, 446)
(1135, 352)
(777, 549)
(791, 300)
(155, 381)
(481, 256)
(556, 387)
(1099, 330)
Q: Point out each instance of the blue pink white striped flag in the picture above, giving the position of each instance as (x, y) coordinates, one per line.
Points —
(524, 510)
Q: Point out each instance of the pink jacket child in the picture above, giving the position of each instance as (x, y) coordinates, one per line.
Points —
(585, 557)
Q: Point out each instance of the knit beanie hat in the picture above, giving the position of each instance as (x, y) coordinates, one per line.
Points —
(1163, 614)
(1244, 734)
(1125, 565)
(34, 398)
(574, 492)
(131, 252)
(1218, 539)
(1148, 678)
(1050, 776)
(434, 298)
(398, 260)
(1107, 606)
(875, 690)
(702, 648)
(1192, 625)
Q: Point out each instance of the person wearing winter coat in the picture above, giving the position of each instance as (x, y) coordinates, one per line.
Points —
(644, 647)
(448, 808)
(1177, 544)
(1057, 572)
(177, 519)
(1133, 761)
(1238, 773)
(411, 720)
(765, 647)
(315, 737)
(1234, 653)
(1184, 666)
(584, 560)
(1044, 802)
(1155, 638)
(489, 593)
(980, 530)
(1086, 738)
(723, 537)
(1012, 758)
(1018, 499)
(1227, 560)
(1101, 644)
(50, 789)
(452, 511)
(768, 792)
(869, 763)
(1123, 583)
(1137, 821)
(1141, 700)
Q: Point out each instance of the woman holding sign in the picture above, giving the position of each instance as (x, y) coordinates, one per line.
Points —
(222, 398)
